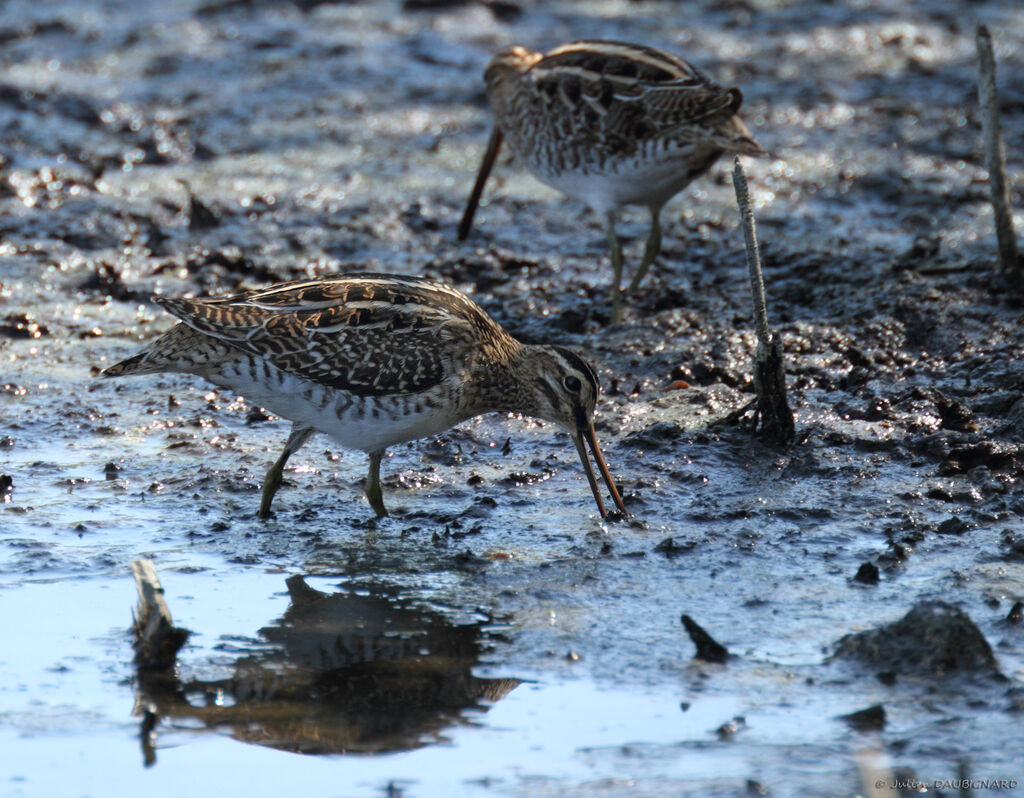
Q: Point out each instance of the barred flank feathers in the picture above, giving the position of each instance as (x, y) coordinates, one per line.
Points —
(179, 349)
(132, 365)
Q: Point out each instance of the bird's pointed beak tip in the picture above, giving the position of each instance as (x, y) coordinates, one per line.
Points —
(587, 434)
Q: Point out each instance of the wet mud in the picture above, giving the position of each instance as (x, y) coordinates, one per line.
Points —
(203, 147)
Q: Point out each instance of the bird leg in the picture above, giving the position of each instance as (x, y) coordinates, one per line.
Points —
(272, 481)
(615, 251)
(651, 250)
(374, 495)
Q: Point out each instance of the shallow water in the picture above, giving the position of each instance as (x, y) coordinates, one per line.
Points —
(345, 137)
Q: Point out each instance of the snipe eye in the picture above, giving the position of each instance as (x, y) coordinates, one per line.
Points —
(572, 384)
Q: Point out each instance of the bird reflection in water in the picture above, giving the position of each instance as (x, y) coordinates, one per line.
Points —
(360, 672)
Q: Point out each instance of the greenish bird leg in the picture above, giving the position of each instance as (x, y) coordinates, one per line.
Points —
(272, 481)
(615, 251)
(651, 249)
(373, 492)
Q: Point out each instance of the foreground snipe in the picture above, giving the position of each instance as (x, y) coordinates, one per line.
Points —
(610, 124)
(373, 360)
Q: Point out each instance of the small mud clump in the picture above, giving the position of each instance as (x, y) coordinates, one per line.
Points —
(934, 638)
(867, 574)
(22, 326)
(866, 720)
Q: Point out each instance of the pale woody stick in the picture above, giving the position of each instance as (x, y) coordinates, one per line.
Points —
(769, 374)
(739, 182)
(995, 155)
(157, 640)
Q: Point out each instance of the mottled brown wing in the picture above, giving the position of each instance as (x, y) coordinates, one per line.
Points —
(368, 335)
(630, 91)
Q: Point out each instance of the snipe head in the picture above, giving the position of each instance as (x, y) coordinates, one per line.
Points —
(554, 384)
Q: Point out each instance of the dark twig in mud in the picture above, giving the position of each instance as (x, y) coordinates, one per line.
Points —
(157, 640)
(769, 375)
(200, 216)
(995, 154)
(708, 649)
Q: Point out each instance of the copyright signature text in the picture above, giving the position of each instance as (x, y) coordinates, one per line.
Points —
(923, 785)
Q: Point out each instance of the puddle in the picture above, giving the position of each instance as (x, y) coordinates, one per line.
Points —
(76, 713)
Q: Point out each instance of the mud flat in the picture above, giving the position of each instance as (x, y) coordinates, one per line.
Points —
(199, 147)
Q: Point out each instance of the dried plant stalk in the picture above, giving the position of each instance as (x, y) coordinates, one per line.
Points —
(995, 154)
(769, 371)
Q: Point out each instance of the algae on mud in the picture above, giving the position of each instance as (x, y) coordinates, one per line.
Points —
(344, 137)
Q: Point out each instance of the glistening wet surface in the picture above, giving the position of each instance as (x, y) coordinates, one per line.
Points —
(494, 636)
